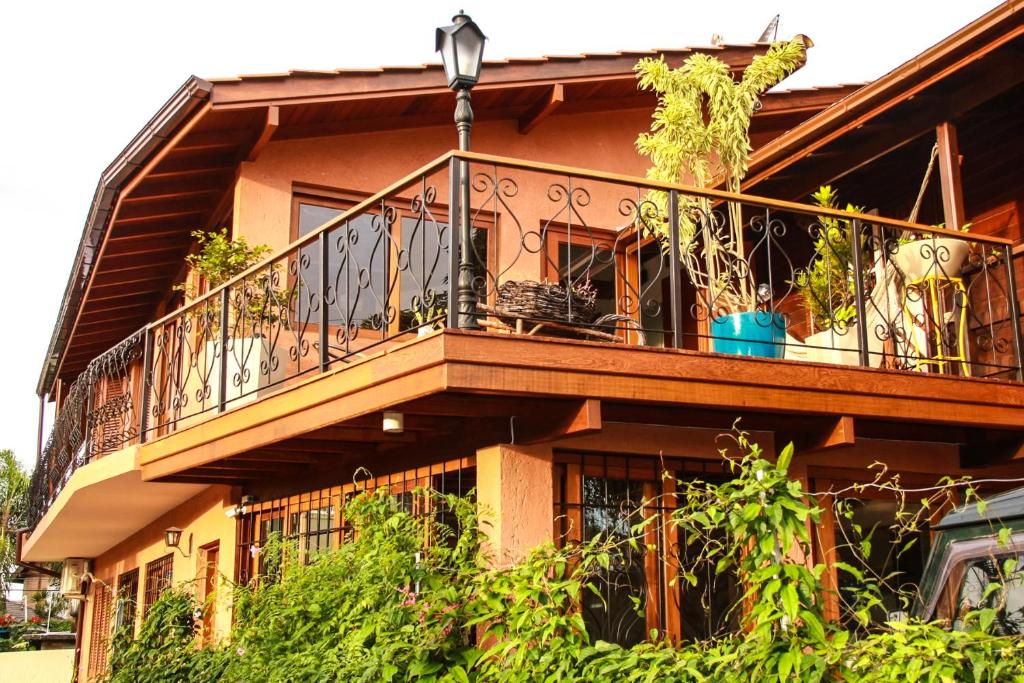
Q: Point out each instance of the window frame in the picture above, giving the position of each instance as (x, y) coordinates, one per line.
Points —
(343, 200)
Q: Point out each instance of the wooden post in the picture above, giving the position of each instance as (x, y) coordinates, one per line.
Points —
(949, 174)
(515, 494)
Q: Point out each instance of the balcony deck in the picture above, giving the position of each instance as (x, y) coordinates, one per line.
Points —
(916, 337)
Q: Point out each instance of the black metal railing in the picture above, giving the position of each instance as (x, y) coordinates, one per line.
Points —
(97, 416)
(577, 253)
(555, 250)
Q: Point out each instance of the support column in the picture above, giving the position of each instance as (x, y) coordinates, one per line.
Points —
(515, 493)
(949, 175)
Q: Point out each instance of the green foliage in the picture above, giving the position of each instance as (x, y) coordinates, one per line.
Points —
(220, 258)
(13, 510)
(827, 286)
(166, 649)
(385, 606)
(701, 126)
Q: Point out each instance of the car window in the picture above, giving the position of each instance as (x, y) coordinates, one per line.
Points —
(1008, 600)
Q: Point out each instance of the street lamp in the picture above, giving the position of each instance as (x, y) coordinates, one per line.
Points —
(462, 50)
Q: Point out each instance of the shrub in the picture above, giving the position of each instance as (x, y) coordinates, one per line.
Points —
(384, 607)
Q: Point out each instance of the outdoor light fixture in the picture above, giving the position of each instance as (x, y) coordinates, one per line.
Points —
(172, 537)
(462, 51)
(394, 423)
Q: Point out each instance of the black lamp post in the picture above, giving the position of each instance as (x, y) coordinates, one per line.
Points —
(462, 50)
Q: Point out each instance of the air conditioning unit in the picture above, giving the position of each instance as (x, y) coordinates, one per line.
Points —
(72, 576)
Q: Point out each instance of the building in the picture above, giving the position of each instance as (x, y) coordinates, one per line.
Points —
(257, 406)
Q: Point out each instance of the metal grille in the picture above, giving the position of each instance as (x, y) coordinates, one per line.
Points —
(159, 575)
(315, 520)
(127, 600)
(608, 495)
(100, 638)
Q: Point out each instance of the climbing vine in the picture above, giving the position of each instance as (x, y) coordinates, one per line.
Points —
(385, 606)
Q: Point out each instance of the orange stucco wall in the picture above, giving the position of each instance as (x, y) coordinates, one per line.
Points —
(203, 518)
(368, 162)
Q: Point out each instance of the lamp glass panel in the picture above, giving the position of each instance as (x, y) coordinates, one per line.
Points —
(470, 48)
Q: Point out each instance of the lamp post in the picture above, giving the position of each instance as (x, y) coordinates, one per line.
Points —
(462, 49)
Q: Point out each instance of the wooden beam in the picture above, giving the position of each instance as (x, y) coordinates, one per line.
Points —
(986, 453)
(949, 175)
(579, 420)
(269, 128)
(830, 434)
(542, 109)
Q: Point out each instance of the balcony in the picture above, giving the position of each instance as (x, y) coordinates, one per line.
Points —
(598, 265)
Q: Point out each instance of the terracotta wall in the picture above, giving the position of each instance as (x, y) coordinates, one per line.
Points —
(368, 162)
(203, 517)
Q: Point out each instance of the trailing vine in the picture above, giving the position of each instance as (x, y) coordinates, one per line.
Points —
(385, 606)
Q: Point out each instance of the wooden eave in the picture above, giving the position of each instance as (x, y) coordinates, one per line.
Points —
(166, 185)
(975, 64)
(464, 390)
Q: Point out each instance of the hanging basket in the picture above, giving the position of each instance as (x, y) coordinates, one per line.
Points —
(546, 301)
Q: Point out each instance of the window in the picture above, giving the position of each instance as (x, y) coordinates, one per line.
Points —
(598, 494)
(366, 261)
(127, 600)
(99, 642)
(888, 557)
(314, 521)
(159, 575)
(1008, 601)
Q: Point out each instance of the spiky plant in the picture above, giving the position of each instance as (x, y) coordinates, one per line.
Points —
(701, 128)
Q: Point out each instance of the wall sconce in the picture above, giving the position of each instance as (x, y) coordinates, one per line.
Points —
(172, 537)
(394, 423)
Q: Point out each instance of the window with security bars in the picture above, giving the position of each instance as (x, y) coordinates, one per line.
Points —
(314, 521)
(159, 575)
(127, 601)
(641, 590)
(99, 642)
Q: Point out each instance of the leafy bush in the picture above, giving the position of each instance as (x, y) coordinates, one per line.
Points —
(386, 607)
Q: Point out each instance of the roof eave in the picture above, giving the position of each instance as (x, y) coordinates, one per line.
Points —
(185, 101)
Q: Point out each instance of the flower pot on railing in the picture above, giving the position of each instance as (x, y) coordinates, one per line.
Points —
(752, 333)
(931, 257)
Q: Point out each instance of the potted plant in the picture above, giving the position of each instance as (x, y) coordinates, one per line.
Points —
(920, 255)
(701, 126)
(252, 310)
(828, 288)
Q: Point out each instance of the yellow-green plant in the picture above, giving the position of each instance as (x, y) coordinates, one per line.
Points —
(827, 285)
(700, 128)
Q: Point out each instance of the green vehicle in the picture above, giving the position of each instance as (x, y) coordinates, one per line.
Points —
(967, 556)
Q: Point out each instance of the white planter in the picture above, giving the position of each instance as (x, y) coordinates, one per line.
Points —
(246, 379)
(941, 256)
(829, 346)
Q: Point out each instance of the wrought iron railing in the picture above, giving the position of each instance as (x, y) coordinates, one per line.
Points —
(97, 416)
(635, 262)
(638, 262)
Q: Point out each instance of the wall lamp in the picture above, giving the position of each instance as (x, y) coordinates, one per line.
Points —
(172, 537)
(393, 423)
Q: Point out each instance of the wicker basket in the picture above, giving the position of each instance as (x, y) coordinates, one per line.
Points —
(546, 301)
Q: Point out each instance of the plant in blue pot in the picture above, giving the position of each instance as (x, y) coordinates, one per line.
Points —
(700, 131)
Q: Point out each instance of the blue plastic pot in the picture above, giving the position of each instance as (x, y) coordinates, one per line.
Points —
(756, 333)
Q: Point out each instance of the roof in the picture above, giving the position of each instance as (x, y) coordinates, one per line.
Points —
(958, 54)
(999, 508)
(177, 173)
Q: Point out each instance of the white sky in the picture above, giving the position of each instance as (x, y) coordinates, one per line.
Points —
(81, 78)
